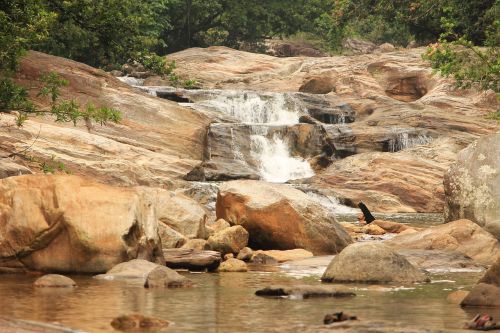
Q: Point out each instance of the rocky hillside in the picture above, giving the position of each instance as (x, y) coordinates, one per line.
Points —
(405, 128)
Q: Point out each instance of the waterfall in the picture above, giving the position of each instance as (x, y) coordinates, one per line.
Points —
(404, 140)
(272, 154)
(132, 81)
(276, 164)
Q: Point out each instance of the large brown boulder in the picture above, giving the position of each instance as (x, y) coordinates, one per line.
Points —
(471, 185)
(487, 291)
(371, 263)
(71, 224)
(280, 217)
(463, 236)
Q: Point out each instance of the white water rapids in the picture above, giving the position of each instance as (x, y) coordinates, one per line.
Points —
(276, 164)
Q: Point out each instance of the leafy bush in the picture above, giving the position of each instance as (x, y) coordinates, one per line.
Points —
(15, 98)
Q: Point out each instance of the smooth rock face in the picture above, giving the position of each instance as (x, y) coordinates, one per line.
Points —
(130, 270)
(137, 321)
(170, 239)
(279, 217)
(371, 263)
(471, 185)
(148, 147)
(55, 280)
(304, 291)
(233, 265)
(164, 277)
(71, 224)
(229, 240)
(487, 291)
(462, 236)
(9, 169)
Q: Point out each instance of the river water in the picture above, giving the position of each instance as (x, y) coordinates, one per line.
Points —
(225, 302)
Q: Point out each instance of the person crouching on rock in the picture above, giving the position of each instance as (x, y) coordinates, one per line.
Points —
(365, 217)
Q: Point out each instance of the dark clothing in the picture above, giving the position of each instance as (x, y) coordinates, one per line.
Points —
(366, 212)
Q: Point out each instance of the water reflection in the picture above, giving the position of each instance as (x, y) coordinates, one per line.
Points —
(226, 303)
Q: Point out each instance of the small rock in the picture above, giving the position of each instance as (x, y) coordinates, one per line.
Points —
(386, 47)
(55, 280)
(228, 256)
(164, 277)
(373, 229)
(338, 317)
(245, 254)
(116, 73)
(304, 291)
(263, 259)
(137, 321)
(229, 240)
(457, 296)
(233, 265)
(195, 244)
(219, 225)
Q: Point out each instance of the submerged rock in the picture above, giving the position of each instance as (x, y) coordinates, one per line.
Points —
(487, 291)
(471, 185)
(192, 259)
(164, 277)
(371, 263)
(229, 240)
(286, 255)
(461, 236)
(338, 317)
(233, 265)
(304, 291)
(136, 269)
(71, 224)
(55, 280)
(137, 321)
(280, 217)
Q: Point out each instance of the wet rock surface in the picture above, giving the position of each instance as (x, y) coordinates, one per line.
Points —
(54, 281)
(164, 277)
(304, 291)
(233, 265)
(280, 217)
(136, 269)
(440, 261)
(371, 263)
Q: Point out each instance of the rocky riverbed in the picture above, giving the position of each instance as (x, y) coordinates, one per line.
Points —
(252, 183)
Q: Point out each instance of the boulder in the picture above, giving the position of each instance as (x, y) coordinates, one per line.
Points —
(164, 277)
(457, 296)
(137, 321)
(68, 224)
(318, 85)
(304, 291)
(358, 46)
(55, 280)
(286, 255)
(184, 215)
(192, 259)
(195, 244)
(136, 269)
(263, 259)
(228, 256)
(373, 229)
(471, 185)
(233, 265)
(371, 263)
(245, 254)
(462, 236)
(391, 227)
(440, 261)
(280, 217)
(170, 239)
(229, 240)
(487, 291)
(386, 47)
(219, 225)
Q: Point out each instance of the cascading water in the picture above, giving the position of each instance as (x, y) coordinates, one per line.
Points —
(261, 111)
(403, 140)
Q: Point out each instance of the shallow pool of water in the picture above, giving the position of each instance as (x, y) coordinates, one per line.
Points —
(226, 303)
